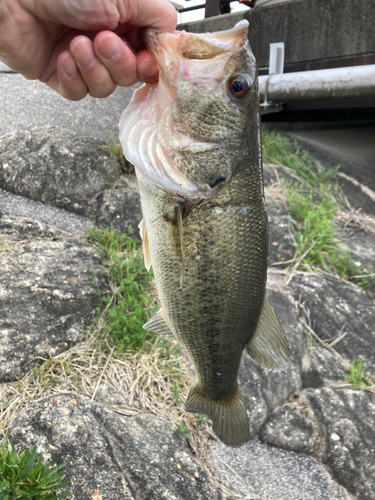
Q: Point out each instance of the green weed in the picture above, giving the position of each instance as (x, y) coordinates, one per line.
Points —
(184, 431)
(129, 307)
(24, 477)
(312, 207)
(282, 151)
(356, 376)
(115, 149)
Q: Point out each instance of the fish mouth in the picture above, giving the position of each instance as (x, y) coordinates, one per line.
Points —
(150, 137)
(196, 45)
(180, 53)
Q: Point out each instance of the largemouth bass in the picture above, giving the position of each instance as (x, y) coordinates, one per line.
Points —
(194, 139)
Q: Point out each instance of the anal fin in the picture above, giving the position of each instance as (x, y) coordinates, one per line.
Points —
(158, 325)
(145, 244)
(229, 417)
(269, 346)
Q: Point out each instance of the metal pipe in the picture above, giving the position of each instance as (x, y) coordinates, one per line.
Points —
(338, 83)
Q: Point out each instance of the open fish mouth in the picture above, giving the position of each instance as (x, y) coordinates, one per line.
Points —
(156, 134)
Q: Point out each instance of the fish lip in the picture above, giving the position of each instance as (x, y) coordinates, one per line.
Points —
(148, 38)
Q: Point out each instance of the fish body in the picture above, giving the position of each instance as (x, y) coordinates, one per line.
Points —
(194, 139)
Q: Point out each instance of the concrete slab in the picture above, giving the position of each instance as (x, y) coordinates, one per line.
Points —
(25, 104)
(352, 148)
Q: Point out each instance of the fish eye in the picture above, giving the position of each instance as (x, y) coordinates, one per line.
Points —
(239, 87)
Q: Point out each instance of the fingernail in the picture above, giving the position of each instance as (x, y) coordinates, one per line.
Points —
(110, 48)
(84, 54)
(69, 66)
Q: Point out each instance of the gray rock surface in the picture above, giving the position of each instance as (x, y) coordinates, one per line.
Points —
(26, 104)
(120, 458)
(47, 299)
(323, 368)
(282, 241)
(291, 430)
(48, 294)
(119, 209)
(13, 205)
(337, 307)
(346, 421)
(261, 472)
(58, 167)
(263, 390)
(22, 228)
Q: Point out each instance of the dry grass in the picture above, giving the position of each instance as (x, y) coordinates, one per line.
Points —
(146, 381)
(154, 379)
(329, 345)
(356, 220)
(7, 246)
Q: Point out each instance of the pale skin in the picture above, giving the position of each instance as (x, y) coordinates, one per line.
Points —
(80, 47)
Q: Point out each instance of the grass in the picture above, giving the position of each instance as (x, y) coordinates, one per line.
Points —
(357, 377)
(149, 373)
(130, 306)
(114, 149)
(312, 202)
(24, 477)
(281, 151)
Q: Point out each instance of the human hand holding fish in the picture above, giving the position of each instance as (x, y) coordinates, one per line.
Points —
(82, 46)
(194, 139)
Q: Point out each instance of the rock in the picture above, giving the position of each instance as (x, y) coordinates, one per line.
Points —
(323, 368)
(264, 390)
(55, 166)
(120, 458)
(14, 206)
(291, 430)
(22, 228)
(361, 246)
(48, 294)
(261, 472)
(119, 209)
(26, 104)
(346, 420)
(337, 307)
(281, 239)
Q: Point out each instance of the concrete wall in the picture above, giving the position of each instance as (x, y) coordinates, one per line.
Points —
(317, 33)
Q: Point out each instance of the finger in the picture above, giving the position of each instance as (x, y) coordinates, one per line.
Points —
(66, 80)
(117, 57)
(158, 14)
(93, 72)
(146, 67)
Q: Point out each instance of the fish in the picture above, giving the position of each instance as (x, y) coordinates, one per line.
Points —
(194, 140)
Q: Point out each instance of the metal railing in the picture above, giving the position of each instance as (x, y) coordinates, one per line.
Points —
(216, 7)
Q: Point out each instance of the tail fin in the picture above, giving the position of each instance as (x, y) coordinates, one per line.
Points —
(229, 417)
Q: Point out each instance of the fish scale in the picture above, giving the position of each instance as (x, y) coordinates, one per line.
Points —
(210, 266)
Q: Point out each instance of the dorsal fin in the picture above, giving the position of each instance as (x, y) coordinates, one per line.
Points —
(145, 245)
(157, 324)
(269, 346)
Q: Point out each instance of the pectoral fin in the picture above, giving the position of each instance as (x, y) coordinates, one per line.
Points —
(158, 325)
(145, 245)
(268, 346)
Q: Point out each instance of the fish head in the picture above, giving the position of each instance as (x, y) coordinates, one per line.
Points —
(202, 109)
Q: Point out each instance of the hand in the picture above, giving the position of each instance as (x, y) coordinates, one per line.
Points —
(82, 46)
